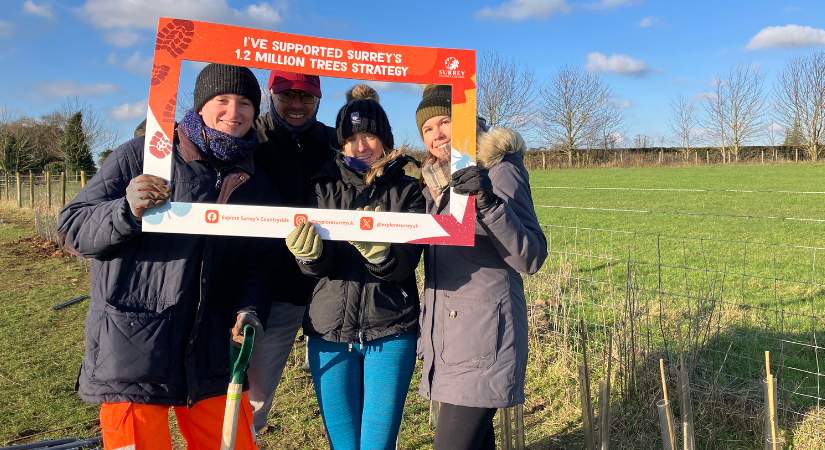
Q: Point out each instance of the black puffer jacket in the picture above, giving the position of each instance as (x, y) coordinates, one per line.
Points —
(158, 327)
(292, 159)
(353, 300)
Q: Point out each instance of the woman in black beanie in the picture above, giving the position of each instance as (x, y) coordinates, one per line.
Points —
(362, 321)
(165, 306)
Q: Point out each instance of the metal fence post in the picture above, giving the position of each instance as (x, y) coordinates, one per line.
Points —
(48, 189)
(62, 189)
(19, 193)
(31, 189)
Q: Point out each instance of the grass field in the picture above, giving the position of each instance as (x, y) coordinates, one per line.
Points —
(719, 262)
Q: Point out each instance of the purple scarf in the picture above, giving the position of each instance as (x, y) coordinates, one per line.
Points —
(215, 143)
(355, 164)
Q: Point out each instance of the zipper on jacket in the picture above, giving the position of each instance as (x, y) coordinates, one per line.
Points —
(219, 182)
(193, 334)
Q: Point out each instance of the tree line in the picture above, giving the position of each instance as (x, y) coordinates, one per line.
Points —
(58, 141)
(575, 110)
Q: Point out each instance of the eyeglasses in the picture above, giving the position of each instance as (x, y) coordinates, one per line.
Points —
(290, 96)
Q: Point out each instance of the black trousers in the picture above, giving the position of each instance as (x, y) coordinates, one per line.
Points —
(464, 428)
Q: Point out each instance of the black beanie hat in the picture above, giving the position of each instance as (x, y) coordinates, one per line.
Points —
(364, 116)
(435, 101)
(217, 79)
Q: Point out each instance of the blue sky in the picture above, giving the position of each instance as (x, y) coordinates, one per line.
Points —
(647, 51)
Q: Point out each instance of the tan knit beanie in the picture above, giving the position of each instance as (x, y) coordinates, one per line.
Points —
(435, 101)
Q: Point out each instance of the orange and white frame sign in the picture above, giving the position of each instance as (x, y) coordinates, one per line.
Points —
(179, 40)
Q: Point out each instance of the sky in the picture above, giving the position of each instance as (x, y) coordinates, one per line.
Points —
(649, 52)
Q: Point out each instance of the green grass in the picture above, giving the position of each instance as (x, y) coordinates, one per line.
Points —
(709, 254)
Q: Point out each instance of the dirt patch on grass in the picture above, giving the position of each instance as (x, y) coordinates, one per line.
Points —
(34, 246)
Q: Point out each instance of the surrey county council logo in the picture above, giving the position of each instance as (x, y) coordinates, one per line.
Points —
(212, 216)
(366, 223)
(300, 219)
(451, 68)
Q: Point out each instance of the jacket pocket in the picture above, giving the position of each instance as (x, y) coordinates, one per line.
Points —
(470, 331)
(133, 346)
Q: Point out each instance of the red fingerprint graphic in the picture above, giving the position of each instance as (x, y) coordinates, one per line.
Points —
(175, 37)
(159, 146)
(159, 74)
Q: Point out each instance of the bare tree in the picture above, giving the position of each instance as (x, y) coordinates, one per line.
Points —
(506, 92)
(683, 124)
(99, 135)
(734, 112)
(571, 108)
(801, 101)
(610, 126)
(772, 132)
(641, 141)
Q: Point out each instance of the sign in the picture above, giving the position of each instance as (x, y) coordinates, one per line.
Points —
(179, 40)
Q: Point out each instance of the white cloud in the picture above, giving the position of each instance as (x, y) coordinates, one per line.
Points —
(787, 36)
(130, 14)
(136, 63)
(129, 111)
(6, 29)
(122, 38)
(60, 89)
(621, 103)
(44, 11)
(616, 63)
(648, 22)
(703, 96)
(517, 10)
(612, 4)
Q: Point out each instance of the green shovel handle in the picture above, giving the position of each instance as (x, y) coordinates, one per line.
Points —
(240, 355)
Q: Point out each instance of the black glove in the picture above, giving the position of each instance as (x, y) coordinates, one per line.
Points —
(474, 180)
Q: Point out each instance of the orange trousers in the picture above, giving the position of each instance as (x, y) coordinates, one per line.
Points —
(138, 426)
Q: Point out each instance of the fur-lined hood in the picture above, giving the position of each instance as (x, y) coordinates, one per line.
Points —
(492, 146)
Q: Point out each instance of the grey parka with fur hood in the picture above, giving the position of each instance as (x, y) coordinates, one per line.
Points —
(474, 317)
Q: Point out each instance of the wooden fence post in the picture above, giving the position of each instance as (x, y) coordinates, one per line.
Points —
(543, 160)
(763, 156)
(48, 189)
(19, 190)
(31, 189)
(82, 179)
(62, 189)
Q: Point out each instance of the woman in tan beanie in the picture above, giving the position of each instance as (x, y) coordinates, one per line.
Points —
(473, 338)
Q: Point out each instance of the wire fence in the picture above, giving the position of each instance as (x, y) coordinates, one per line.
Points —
(628, 298)
(661, 156)
(41, 189)
(719, 304)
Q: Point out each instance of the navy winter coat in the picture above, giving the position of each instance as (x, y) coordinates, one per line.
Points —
(158, 327)
(353, 300)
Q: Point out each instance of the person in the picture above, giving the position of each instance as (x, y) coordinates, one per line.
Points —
(473, 338)
(362, 320)
(164, 306)
(294, 147)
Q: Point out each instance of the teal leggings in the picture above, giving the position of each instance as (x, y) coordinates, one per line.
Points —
(361, 390)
